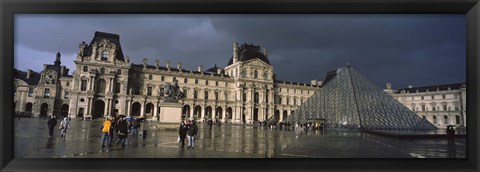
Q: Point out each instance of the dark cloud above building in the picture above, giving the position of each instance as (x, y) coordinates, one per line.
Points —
(401, 49)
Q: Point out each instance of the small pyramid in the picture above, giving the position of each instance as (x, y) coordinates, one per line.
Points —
(350, 100)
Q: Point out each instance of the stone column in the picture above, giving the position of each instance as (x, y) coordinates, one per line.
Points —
(91, 83)
(192, 110)
(214, 112)
(89, 106)
(21, 106)
(203, 113)
(105, 111)
(224, 111)
(142, 109)
(155, 110)
(129, 108)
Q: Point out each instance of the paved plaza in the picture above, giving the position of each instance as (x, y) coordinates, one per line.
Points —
(227, 141)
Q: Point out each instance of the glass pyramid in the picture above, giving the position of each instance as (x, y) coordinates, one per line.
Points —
(349, 100)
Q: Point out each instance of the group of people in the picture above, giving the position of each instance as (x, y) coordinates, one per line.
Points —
(187, 130)
(120, 127)
(64, 125)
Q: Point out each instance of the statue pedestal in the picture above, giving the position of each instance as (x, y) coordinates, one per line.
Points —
(170, 112)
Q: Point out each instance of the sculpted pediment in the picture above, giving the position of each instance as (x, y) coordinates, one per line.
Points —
(258, 63)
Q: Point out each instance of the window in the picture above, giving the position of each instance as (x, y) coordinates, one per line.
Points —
(444, 107)
(294, 101)
(102, 70)
(422, 97)
(433, 97)
(279, 100)
(53, 81)
(195, 94)
(117, 87)
(244, 97)
(66, 95)
(206, 82)
(244, 73)
(434, 109)
(255, 74)
(85, 68)
(256, 97)
(30, 92)
(67, 84)
(457, 108)
(434, 119)
(150, 77)
(174, 79)
(206, 95)
(101, 85)
(196, 81)
(83, 86)
(266, 96)
(162, 78)
(185, 92)
(119, 72)
(216, 83)
(445, 119)
(457, 119)
(423, 108)
(104, 55)
(443, 96)
(46, 93)
(216, 95)
(288, 100)
(226, 96)
(265, 75)
(149, 91)
(185, 80)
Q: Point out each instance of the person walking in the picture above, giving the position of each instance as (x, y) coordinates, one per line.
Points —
(52, 122)
(191, 133)
(64, 125)
(122, 127)
(182, 133)
(107, 130)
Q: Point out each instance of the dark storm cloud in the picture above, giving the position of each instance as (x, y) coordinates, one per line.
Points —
(402, 49)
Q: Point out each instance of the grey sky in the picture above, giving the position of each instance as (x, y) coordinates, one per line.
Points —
(401, 49)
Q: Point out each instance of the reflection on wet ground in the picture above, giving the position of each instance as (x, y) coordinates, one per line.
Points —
(84, 141)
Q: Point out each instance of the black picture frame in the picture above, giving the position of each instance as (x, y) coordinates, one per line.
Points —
(8, 8)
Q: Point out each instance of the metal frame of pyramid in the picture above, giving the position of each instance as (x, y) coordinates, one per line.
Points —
(350, 100)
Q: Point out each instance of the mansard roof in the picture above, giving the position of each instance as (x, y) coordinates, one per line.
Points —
(444, 87)
(113, 38)
(248, 52)
(213, 69)
(33, 80)
(140, 66)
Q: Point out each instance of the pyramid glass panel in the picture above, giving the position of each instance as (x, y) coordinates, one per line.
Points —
(350, 100)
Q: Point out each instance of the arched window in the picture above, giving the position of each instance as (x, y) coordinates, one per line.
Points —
(445, 119)
(196, 81)
(244, 73)
(255, 74)
(104, 55)
(256, 97)
(206, 94)
(101, 84)
(457, 119)
(195, 94)
(102, 70)
(185, 80)
(206, 82)
(434, 119)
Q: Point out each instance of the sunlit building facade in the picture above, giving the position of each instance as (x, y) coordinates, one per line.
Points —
(106, 83)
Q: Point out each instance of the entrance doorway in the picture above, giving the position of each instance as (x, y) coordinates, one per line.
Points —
(136, 107)
(98, 109)
(64, 111)
(44, 110)
(149, 111)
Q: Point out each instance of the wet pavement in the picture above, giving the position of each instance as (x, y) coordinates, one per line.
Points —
(227, 141)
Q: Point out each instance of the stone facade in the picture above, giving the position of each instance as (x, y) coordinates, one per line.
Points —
(442, 105)
(105, 83)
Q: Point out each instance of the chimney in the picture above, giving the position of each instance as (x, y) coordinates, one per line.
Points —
(313, 82)
(389, 86)
(265, 52)
(62, 71)
(157, 63)
(200, 68)
(410, 86)
(179, 66)
(219, 71)
(29, 73)
(235, 52)
(168, 65)
(320, 83)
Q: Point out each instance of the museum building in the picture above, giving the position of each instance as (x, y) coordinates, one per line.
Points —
(105, 83)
